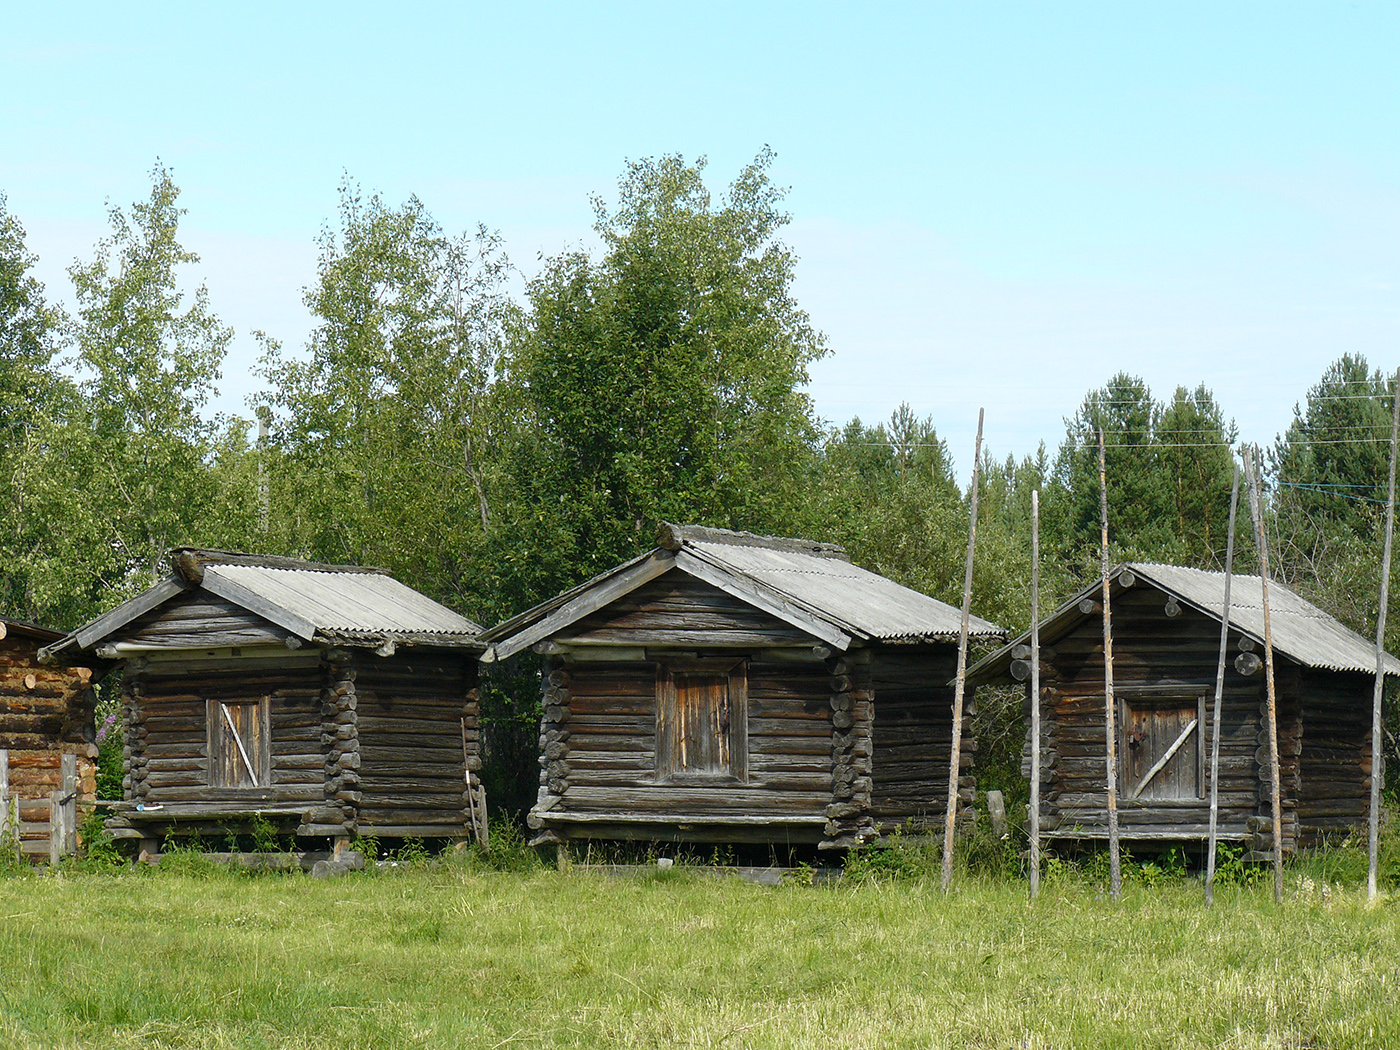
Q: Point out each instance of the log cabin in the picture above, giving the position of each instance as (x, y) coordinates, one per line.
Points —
(1166, 641)
(727, 687)
(331, 701)
(46, 727)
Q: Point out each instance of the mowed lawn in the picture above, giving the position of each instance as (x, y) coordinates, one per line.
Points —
(461, 958)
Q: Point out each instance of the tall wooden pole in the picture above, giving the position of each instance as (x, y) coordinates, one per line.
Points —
(1251, 470)
(960, 684)
(1220, 688)
(1377, 745)
(1115, 868)
(1035, 693)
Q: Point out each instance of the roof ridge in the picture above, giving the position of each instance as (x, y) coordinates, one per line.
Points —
(674, 537)
(189, 563)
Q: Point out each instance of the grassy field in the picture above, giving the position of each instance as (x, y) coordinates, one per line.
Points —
(464, 957)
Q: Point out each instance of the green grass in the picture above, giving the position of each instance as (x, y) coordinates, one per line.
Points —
(460, 956)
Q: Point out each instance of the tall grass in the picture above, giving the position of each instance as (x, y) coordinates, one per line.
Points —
(461, 954)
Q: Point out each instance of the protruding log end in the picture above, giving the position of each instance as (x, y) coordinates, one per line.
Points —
(1172, 608)
(188, 567)
(1248, 664)
(1088, 606)
(668, 536)
(1127, 579)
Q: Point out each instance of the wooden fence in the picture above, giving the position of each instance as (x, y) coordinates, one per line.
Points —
(35, 827)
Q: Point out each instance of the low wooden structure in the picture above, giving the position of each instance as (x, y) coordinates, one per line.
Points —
(47, 740)
(727, 687)
(1166, 643)
(330, 700)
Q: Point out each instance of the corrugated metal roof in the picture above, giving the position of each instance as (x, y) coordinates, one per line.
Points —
(346, 603)
(813, 586)
(1301, 631)
(329, 604)
(864, 602)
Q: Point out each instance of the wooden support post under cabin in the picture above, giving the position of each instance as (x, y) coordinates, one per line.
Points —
(1377, 750)
(960, 682)
(1220, 690)
(1035, 694)
(1261, 541)
(1115, 870)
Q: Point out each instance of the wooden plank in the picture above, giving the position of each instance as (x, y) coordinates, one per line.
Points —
(779, 606)
(224, 587)
(590, 600)
(123, 614)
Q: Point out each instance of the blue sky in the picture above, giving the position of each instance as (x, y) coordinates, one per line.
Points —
(994, 204)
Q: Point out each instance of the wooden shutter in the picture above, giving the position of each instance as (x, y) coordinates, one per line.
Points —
(1151, 728)
(701, 720)
(232, 723)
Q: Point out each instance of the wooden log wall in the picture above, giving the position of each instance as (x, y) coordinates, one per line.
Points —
(1151, 649)
(598, 750)
(411, 757)
(678, 610)
(1335, 763)
(914, 734)
(200, 619)
(45, 713)
(167, 731)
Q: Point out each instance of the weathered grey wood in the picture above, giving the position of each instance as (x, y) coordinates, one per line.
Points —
(1111, 759)
(960, 680)
(122, 615)
(590, 601)
(1261, 542)
(1373, 818)
(216, 583)
(734, 819)
(5, 786)
(769, 602)
(1220, 688)
(1161, 763)
(1034, 811)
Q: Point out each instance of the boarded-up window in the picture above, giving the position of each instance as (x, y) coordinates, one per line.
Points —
(1163, 747)
(701, 720)
(239, 755)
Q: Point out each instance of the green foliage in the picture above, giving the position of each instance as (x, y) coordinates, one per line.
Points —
(411, 853)
(663, 380)
(1168, 471)
(31, 389)
(507, 851)
(266, 838)
(99, 849)
(118, 474)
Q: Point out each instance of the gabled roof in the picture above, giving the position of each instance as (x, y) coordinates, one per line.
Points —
(325, 604)
(1301, 631)
(812, 586)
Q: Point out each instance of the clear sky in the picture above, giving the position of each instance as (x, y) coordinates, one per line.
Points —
(994, 204)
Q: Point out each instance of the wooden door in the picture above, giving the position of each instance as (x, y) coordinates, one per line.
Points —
(239, 755)
(700, 720)
(1162, 748)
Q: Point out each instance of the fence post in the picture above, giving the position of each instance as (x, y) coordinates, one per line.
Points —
(4, 791)
(68, 768)
(55, 826)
